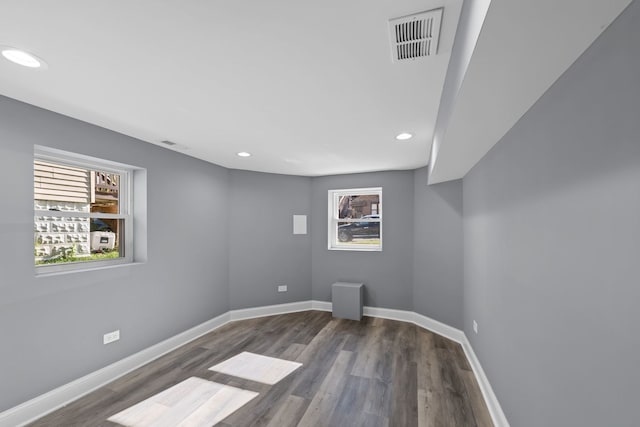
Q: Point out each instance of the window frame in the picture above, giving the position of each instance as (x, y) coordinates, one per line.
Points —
(333, 244)
(125, 207)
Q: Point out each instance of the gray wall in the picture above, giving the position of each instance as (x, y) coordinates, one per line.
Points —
(438, 280)
(263, 251)
(52, 327)
(217, 239)
(231, 251)
(468, 30)
(387, 275)
(552, 246)
(421, 265)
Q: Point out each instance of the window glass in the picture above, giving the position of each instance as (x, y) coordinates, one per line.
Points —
(355, 220)
(81, 213)
(106, 192)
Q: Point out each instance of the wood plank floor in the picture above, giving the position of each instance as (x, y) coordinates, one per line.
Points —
(376, 372)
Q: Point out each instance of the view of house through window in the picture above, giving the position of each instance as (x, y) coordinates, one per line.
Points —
(80, 213)
(355, 219)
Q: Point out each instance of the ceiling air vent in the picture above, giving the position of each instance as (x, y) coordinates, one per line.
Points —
(415, 36)
(173, 145)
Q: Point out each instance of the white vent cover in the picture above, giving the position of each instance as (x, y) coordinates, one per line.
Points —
(173, 145)
(415, 36)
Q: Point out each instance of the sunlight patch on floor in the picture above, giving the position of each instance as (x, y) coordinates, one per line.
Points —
(255, 367)
(192, 403)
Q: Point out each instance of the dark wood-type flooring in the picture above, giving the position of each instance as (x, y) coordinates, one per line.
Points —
(376, 372)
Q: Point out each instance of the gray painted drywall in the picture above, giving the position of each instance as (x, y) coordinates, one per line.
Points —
(263, 251)
(217, 239)
(52, 327)
(438, 280)
(387, 275)
(552, 246)
(468, 30)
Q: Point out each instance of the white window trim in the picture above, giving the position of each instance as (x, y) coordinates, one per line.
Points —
(333, 244)
(125, 206)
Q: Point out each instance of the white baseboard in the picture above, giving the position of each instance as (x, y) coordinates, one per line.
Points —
(321, 305)
(495, 410)
(45, 403)
(417, 319)
(48, 402)
(269, 310)
(404, 316)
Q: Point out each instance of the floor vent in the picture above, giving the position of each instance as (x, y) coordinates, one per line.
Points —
(415, 36)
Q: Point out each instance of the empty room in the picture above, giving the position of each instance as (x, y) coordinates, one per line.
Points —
(357, 213)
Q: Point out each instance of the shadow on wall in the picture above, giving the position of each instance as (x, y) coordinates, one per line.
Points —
(452, 198)
(557, 153)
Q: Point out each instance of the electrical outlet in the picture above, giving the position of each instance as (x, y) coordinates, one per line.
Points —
(475, 326)
(111, 337)
(282, 288)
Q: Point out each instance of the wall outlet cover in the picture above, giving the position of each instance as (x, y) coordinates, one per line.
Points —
(282, 288)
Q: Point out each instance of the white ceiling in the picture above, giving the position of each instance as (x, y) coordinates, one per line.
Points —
(307, 88)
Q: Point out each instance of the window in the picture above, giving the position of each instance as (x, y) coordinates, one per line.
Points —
(82, 212)
(355, 219)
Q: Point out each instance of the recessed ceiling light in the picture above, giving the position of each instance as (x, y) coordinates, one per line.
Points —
(244, 154)
(23, 58)
(403, 136)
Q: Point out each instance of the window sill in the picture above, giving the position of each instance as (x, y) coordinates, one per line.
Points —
(355, 249)
(44, 274)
